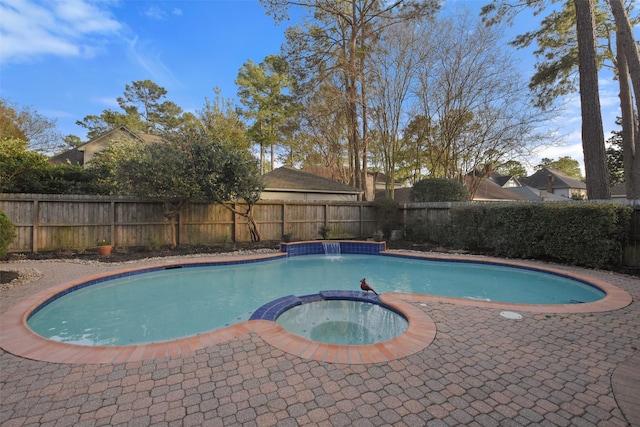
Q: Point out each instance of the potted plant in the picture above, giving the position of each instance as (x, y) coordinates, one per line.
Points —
(287, 237)
(377, 236)
(104, 246)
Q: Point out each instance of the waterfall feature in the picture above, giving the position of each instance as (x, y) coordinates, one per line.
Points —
(331, 248)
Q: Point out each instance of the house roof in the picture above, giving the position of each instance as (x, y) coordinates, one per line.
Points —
(487, 190)
(73, 156)
(560, 180)
(287, 178)
(619, 190)
(76, 156)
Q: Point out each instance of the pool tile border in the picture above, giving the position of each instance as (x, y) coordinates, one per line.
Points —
(17, 338)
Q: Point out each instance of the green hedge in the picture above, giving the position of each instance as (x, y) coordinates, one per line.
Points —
(7, 233)
(586, 234)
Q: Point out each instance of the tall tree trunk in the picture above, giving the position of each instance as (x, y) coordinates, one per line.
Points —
(629, 130)
(625, 42)
(595, 160)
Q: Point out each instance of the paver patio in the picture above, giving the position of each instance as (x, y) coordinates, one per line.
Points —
(480, 370)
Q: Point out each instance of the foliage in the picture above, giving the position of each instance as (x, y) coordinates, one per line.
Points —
(21, 170)
(263, 91)
(220, 118)
(324, 231)
(25, 171)
(187, 167)
(386, 214)
(615, 157)
(512, 168)
(144, 110)
(587, 234)
(564, 164)
(438, 190)
(103, 242)
(26, 124)
(7, 233)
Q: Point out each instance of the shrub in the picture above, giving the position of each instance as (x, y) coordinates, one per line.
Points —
(7, 233)
(438, 190)
(591, 235)
(386, 214)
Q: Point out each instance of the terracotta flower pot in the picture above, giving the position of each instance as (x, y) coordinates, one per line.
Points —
(104, 250)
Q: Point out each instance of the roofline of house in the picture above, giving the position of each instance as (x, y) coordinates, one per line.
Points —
(311, 191)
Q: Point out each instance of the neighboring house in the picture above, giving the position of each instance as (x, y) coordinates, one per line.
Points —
(83, 154)
(619, 191)
(487, 191)
(552, 181)
(288, 183)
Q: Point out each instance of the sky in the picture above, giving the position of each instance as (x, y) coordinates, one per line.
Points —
(71, 58)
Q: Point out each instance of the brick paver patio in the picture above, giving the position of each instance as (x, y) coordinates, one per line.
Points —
(480, 370)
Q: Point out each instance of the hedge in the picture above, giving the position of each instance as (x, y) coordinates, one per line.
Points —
(586, 234)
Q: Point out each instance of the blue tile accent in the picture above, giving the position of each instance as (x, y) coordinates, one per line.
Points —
(346, 247)
(272, 310)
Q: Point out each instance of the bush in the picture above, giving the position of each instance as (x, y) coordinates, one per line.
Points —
(438, 190)
(7, 233)
(386, 214)
(591, 235)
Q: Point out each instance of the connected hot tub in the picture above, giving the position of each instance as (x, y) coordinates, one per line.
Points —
(344, 318)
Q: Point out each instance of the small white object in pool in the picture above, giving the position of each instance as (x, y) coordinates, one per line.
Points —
(511, 315)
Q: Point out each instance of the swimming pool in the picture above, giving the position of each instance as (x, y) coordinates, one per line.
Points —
(171, 303)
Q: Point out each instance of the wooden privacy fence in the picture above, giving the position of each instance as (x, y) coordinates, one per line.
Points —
(51, 222)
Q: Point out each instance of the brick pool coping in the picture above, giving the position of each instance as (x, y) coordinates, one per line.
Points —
(17, 338)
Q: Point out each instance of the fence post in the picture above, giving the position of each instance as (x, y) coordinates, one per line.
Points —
(34, 228)
(112, 220)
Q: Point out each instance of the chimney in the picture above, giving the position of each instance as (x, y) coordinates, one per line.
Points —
(550, 183)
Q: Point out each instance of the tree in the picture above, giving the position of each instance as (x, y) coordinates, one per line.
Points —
(587, 64)
(438, 190)
(335, 44)
(475, 108)
(512, 168)
(627, 57)
(397, 60)
(595, 161)
(262, 90)
(188, 167)
(21, 170)
(564, 164)
(26, 124)
(144, 111)
(615, 158)
(220, 119)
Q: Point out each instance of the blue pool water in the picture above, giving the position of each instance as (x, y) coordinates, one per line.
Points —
(174, 303)
(343, 322)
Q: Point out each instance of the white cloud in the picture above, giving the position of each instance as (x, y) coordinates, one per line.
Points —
(142, 54)
(31, 29)
(155, 13)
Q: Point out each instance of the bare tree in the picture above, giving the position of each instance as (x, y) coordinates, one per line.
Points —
(478, 109)
(337, 40)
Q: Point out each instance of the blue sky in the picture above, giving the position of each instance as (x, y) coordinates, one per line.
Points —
(71, 58)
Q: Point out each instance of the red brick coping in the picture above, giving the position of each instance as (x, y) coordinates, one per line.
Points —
(17, 338)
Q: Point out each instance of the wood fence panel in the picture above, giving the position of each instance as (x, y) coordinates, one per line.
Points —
(204, 224)
(140, 224)
(21, 213)
(304, 220)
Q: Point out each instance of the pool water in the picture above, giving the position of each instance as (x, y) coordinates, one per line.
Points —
(175, 303)
(343, 322)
